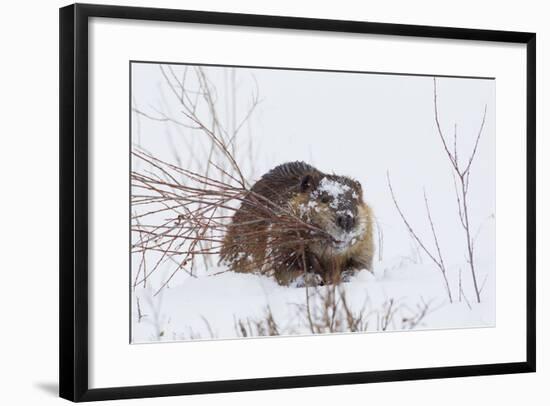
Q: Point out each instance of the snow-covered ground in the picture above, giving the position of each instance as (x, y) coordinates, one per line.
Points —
(210, 306)
(363, 126)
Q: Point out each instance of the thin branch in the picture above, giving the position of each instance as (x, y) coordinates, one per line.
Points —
(439, 262)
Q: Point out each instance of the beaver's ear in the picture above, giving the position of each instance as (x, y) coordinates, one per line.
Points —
(308, 183)
(358, 186)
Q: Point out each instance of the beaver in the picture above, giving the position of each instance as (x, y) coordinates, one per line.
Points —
(302, 226)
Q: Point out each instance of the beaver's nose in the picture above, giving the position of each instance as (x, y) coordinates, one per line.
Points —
(345, 221)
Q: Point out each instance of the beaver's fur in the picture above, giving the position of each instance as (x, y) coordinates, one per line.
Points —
(256, 242)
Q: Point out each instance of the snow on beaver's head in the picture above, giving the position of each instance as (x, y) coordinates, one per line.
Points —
(334, 204)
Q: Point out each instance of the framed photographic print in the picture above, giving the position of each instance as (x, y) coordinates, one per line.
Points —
(257, 202)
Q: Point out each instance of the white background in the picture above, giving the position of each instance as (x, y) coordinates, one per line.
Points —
(30, 176)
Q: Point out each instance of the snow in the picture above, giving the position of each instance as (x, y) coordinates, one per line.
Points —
(306, 207)
(334, 189)
(209, 307)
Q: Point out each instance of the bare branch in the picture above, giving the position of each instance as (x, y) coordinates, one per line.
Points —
(436, 241)
(438, 262)
(463, 176)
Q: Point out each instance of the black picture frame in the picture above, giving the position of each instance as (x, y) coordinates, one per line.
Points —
(73, 254)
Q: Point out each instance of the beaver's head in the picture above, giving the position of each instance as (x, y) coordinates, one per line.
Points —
(334, 204)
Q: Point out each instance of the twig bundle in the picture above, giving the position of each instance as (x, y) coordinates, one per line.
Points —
(183, 215)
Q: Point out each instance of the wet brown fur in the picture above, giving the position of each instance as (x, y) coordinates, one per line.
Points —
(256, 242)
